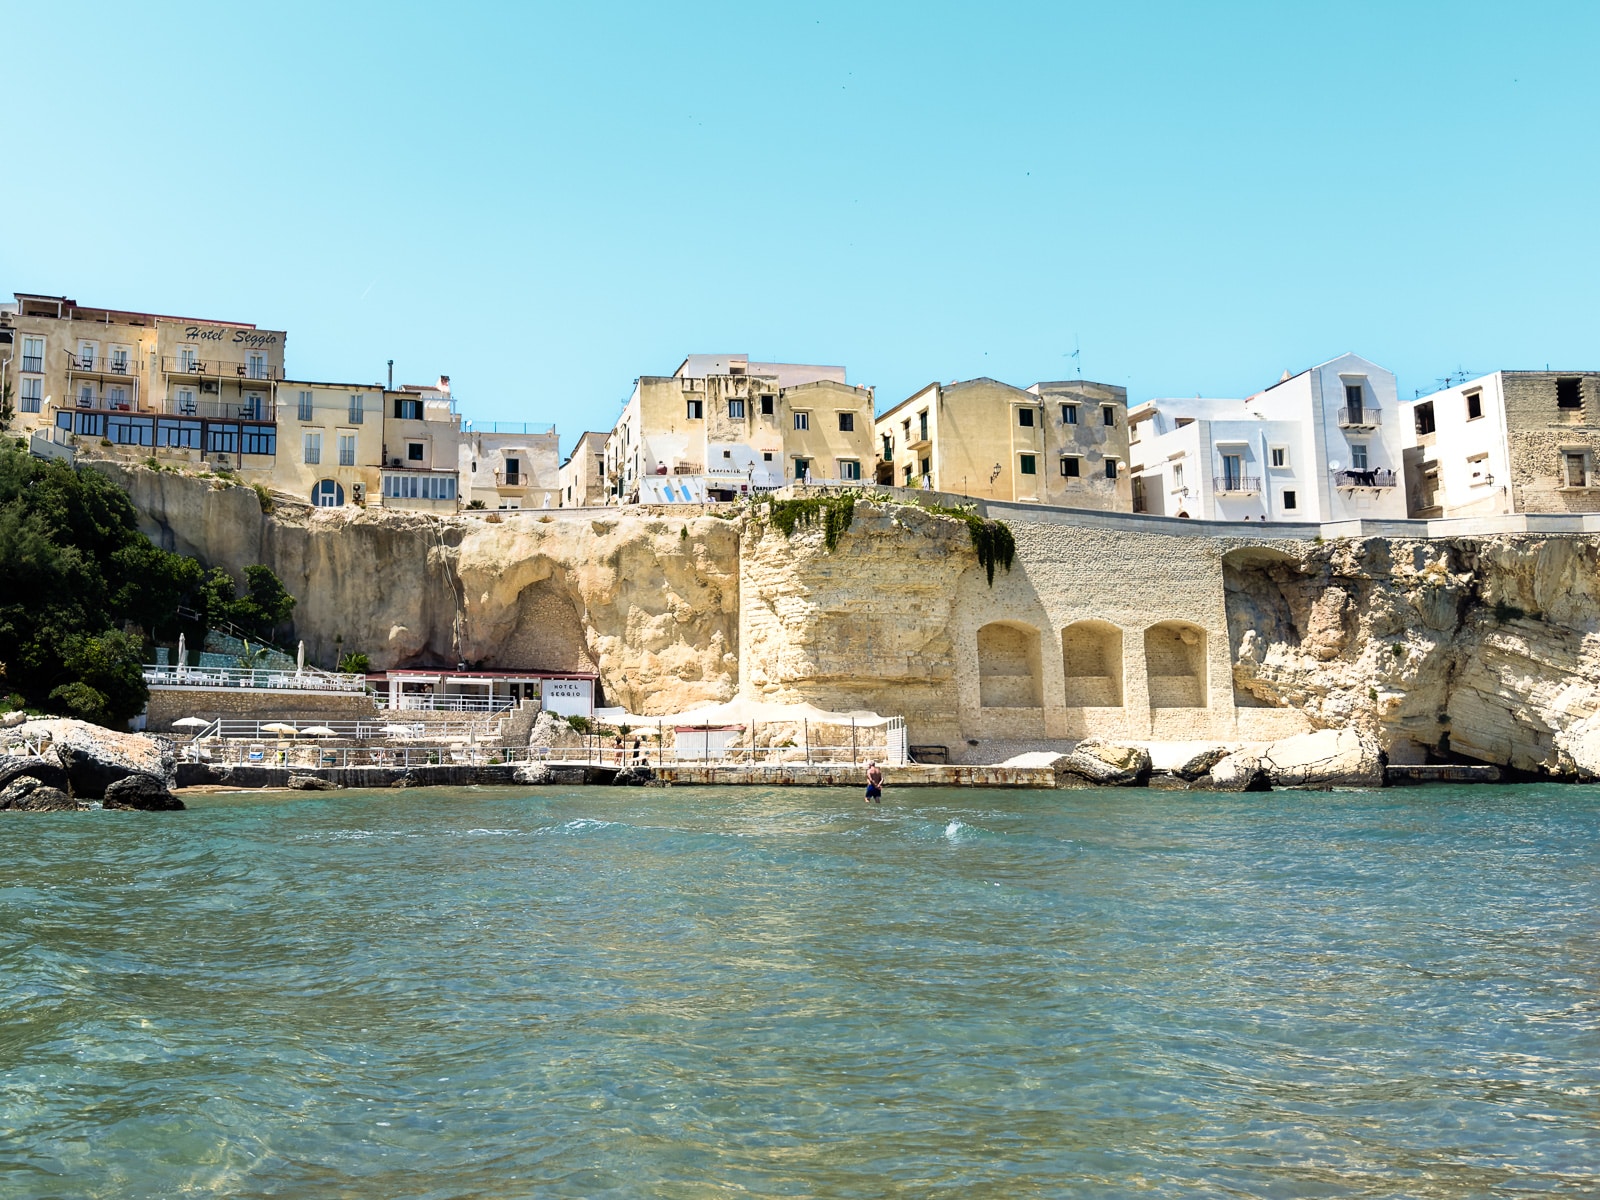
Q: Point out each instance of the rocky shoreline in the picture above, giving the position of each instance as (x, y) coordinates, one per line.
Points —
(54, 764)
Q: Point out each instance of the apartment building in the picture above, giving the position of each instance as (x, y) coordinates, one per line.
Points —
(1060, 443)
(330, 442)
(1322, 445)
(1507, 442)
(583, 476)
(196, 389)
(509, 464)
(721, 427)
(421, 452)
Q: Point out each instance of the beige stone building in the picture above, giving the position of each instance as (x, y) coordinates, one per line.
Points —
(1508, 442)
(583, 476)
(721, 427)
(421, 449)
(330, 442)
(153, 385)
(1061, 443)
(508, 464)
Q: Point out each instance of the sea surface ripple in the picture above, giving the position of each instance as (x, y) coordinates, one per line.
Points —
(715, 993)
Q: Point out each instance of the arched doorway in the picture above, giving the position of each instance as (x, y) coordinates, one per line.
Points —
(327, 494)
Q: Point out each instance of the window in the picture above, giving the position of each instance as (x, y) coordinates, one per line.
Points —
(357, 409)
(1569, 393)
(727, 454)
(256, 365)
(347, 450)
(906, 426)
(131, 431)
(311, 444)
(90, 424)
(1232, 472)
(86, 395)
(327, 494)
(1070, 468)
(696, 410)
(922, 424)
(847, 422)
(32, 354)
(849, 468)
(422, 487)
(767, 403)
(1279, 456)
(766, 456)
(408, 410)
(187, 407)
(513, 470)
(888, 446)
(254, 406)
(908, 474)
(1069, 414)
(1352, 397)
(1177, 476)
(1424, 417)
(802, 467)
(1025, 418)
(1358, 457)
(259, 439)
(925, 465)
(116, 396)
(1108, 414)
(802, 420)
(1028, 464)
(736, 410)
(305, 407)
(1474, 405)
(188, 359)
(32, 393)
(181, 435)
(1575, 470)
(414, 451)
(1111, 468)
(86, 355)
(119, 359)
(222, 439)
(1290, 502)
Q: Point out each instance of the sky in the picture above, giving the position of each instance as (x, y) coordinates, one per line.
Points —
(545, 202)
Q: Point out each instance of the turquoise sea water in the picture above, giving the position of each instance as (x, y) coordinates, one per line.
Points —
(703, 993)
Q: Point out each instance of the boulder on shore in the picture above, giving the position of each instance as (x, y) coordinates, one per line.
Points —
(26, 794)
(633, 777)
(1241, 771)
(312, 783)
(1095, 762)
(1326, 758)
(95, 758)
(47, 771)
(1201, 761)
(532, 773)
(143, 792)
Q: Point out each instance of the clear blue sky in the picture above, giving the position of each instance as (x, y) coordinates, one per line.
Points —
(544, 202)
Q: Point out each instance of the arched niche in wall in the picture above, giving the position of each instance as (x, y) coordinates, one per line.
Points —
(1175, 664)
(1091, 660)
(1008, 666)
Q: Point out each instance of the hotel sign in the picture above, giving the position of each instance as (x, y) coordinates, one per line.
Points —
(567, 697)
(238, 337)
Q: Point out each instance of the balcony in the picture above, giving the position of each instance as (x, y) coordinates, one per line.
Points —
(1364, 417)
(1237, 485)
(511, 481)
(1373, 477)
(203, 368)
(214, 409)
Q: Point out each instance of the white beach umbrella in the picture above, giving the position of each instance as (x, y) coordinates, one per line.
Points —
(319, 731)
(280, 727)
(190, 723)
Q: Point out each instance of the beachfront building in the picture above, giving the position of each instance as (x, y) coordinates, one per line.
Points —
(721, 427)
(582, 477)
(509, 464)
(330, 442)
(1322, 445)
(1507, 442)
(194, 389)
(1061, 443)
(421, 449)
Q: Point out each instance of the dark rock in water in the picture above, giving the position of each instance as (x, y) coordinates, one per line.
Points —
(406, 781)
(312, 783)
(1096, 762)
(633, 777)
(47, 772)
(1249, 781)
(143, 792)
(1201, 762)
(26, 794)
(1163, 782)
(196, 774)
(533, 773)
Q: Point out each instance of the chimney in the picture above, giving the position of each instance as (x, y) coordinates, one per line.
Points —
(444, 384)
(391, 374)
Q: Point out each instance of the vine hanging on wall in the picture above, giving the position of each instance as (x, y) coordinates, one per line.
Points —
(836, 513)
(993, 542)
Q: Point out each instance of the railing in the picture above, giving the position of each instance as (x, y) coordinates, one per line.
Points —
(212, 369)
(508, 427)
(308, 754)
(424, 702)
(382, 730)
(274, 680)
(1236, 483)
(33, 363)
(116, 368)
(510, 479)
(1364, 417)
(219, 410)
(1378, 477)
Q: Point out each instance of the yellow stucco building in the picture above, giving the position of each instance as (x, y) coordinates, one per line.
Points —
(1060, 443)
(330, 442)
(583, 476)
(421, 461)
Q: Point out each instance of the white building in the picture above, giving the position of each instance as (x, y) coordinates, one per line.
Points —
(508, 464)
(1323, 445)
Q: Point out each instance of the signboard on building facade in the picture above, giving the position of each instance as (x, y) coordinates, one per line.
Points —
(567, 697)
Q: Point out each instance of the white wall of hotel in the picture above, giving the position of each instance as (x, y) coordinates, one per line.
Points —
(1470, 455)
(484, 691)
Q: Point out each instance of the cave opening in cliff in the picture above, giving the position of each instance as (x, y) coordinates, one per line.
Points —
(1091, 661)
(1008, 666)
(1175, 664)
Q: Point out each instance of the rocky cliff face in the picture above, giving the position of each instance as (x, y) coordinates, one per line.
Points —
(1486, 648)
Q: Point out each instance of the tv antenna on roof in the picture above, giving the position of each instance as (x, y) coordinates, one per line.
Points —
(1076, 356)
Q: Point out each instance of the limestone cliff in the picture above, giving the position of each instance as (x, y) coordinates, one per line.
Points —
(1485, 648)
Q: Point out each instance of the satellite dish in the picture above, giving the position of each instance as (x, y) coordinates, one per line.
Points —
(1335, 465)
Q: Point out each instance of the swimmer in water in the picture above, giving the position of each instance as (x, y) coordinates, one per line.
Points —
(874, 784)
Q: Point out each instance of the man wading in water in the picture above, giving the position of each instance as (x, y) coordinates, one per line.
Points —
(874, 784)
